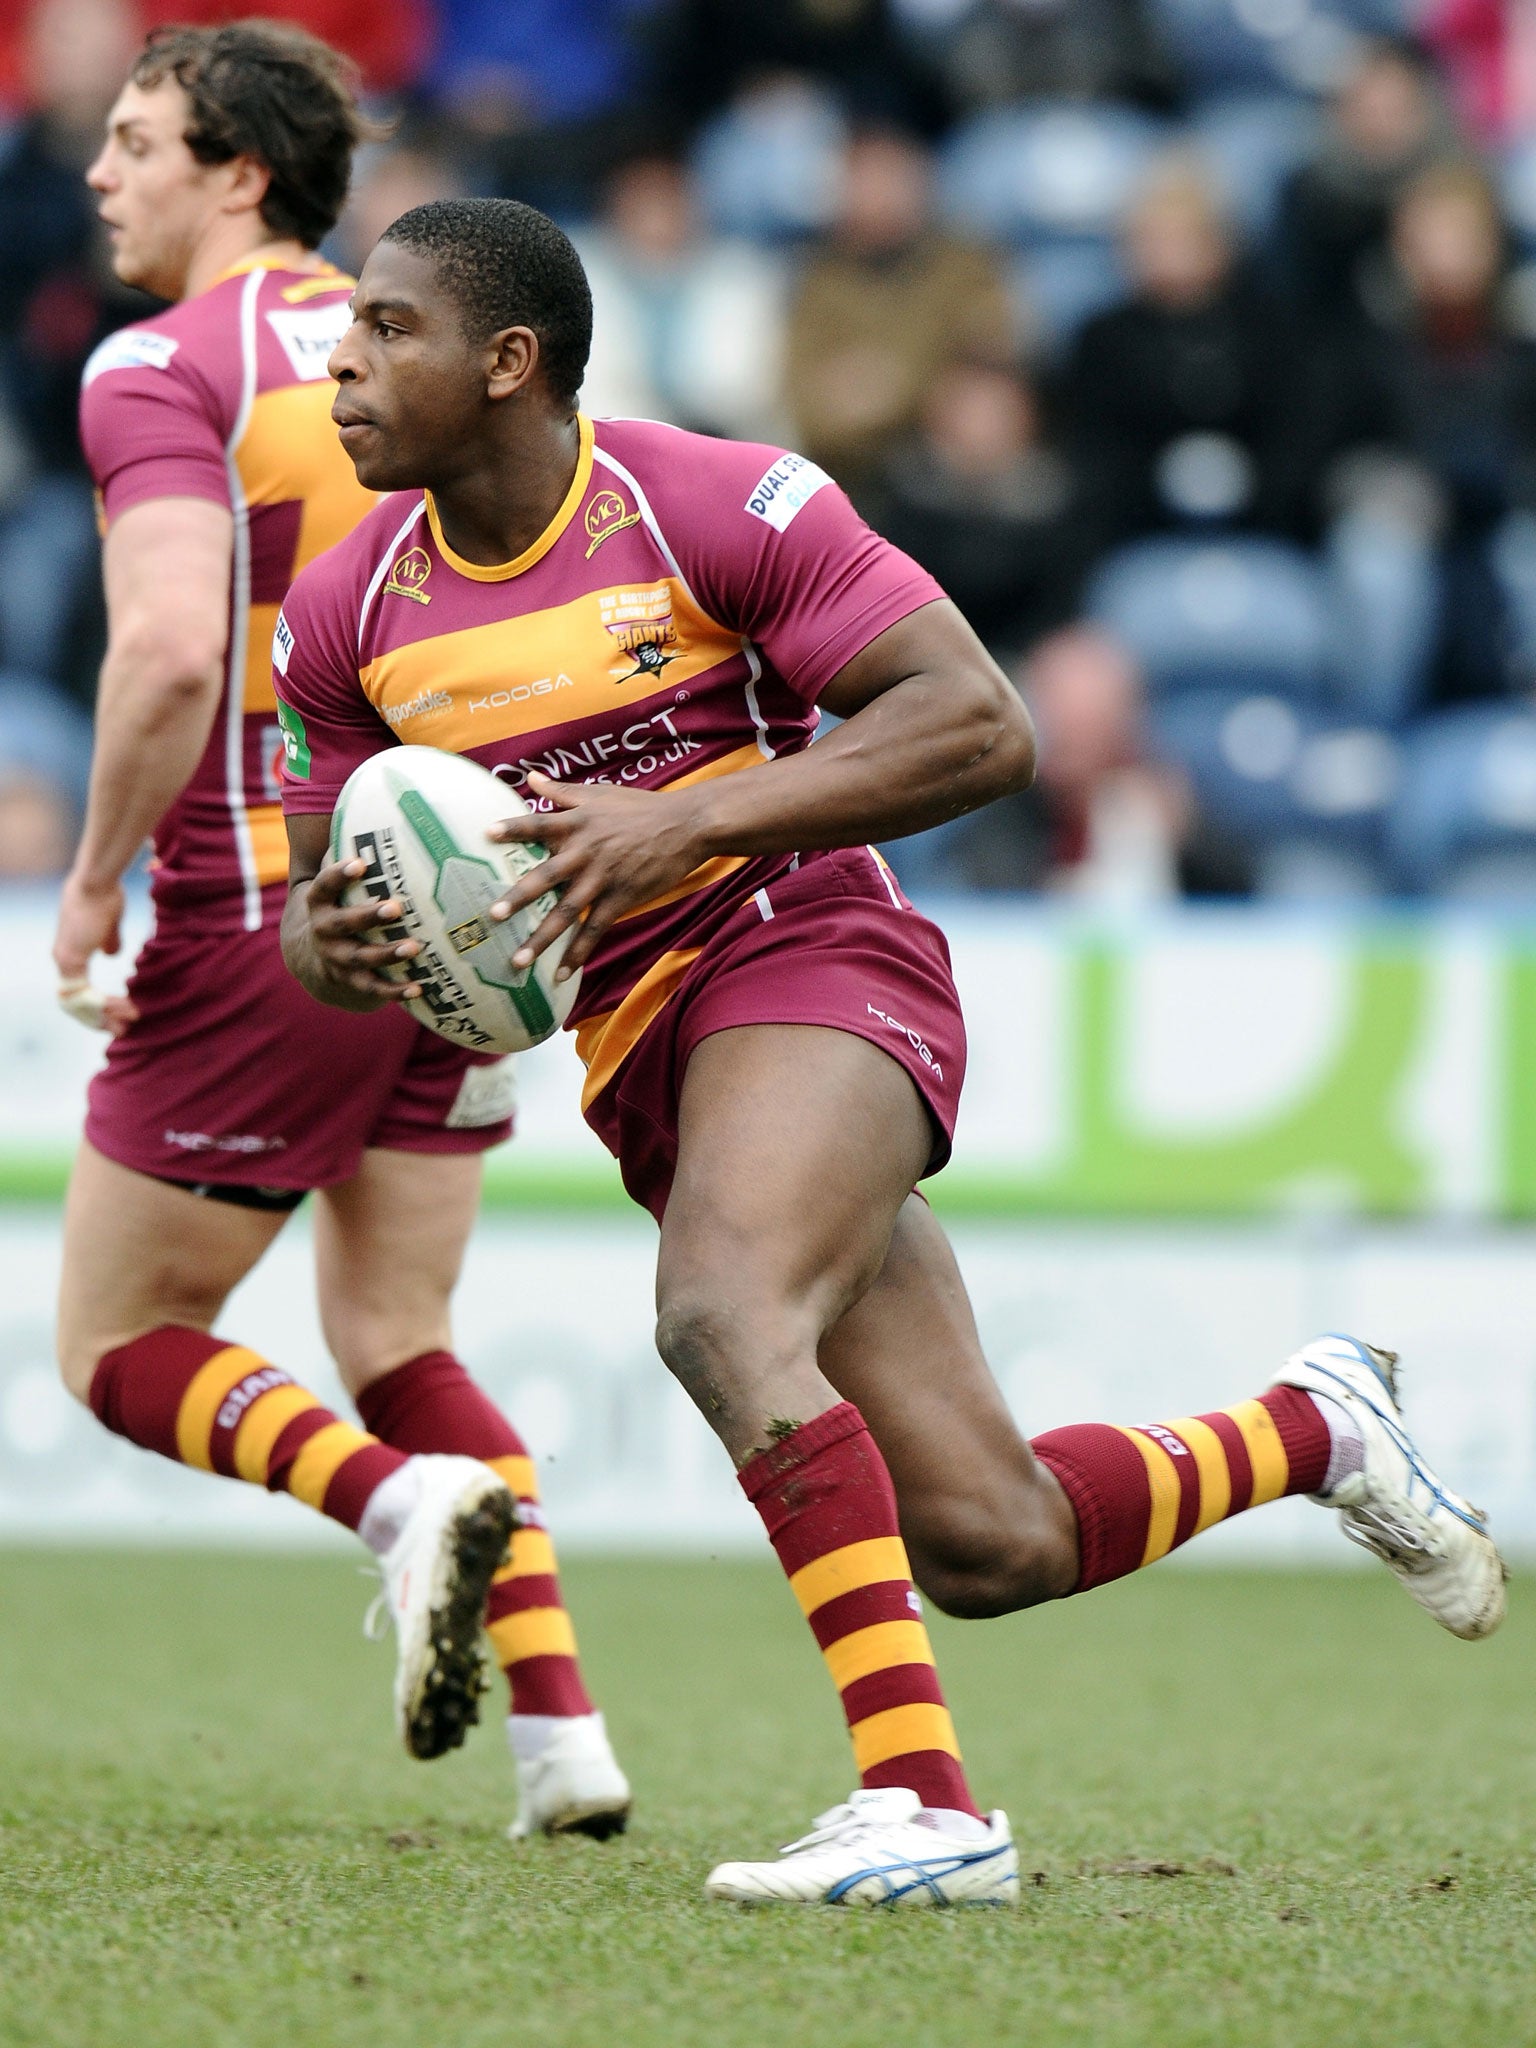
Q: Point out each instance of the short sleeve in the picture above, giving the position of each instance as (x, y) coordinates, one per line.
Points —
(328, 725)
(148, 425)
(774, 549)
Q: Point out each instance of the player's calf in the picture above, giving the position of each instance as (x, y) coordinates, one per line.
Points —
(440, 1525)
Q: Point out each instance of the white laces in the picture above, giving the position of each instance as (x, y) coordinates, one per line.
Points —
(377, 1619)
(1392, 1538)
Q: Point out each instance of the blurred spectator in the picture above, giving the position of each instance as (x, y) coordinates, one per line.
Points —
(995, 52)
(981, 500)
(1448, 396)
(886, 300)
(45, 751)
(1387, 123)
(1105, 822)
(387, 181)
(688, 327)
(707, 51)
(57, 299)
(1186, 399)
(1488, 47)
(546, 94)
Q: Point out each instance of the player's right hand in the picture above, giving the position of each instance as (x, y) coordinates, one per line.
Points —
(90, 922)
(348, 960)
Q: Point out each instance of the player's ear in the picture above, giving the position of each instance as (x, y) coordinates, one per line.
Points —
(514, 363)
(247, 185)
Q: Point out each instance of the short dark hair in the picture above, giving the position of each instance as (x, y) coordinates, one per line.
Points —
(269, 91)
(508, 265)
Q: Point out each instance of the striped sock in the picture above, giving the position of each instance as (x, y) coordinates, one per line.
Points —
(431, 1404)
(1139, 1493)
(194, 1398)
(826, 1501)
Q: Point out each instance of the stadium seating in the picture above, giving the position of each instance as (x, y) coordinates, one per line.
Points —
(1464, 824)
(767, 165)
(1242, 615)
(1308, 793)
(1253, 142)
(1049, 173)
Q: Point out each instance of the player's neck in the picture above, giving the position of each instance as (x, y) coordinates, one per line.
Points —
(498, 512)
(230, 242)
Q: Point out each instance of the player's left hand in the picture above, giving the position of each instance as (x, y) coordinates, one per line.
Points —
(610, 850)
(90, 922)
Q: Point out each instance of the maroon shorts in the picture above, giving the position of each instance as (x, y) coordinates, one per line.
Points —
(235, 1077)
(833, 943)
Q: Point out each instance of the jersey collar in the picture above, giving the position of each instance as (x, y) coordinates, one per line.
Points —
(498, 572)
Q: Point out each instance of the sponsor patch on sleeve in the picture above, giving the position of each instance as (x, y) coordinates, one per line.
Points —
(282, 645)
(309, 335)
(295, 742)
(134, 348)
(781, 491)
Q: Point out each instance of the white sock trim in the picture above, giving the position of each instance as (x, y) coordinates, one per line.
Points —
(389, 1508)
(1346, 1445)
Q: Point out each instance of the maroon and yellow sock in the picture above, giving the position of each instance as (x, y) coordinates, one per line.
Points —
(201, 1401)
(1139, 1493)
(431, 1404)
(827, 1503)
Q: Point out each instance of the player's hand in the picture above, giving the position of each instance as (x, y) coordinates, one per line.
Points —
(90, 922)
(610, 850)
(350, 963)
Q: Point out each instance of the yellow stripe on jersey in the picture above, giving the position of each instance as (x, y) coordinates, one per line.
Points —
(289, 451)
(269, 843)
(604, 1043)
(571, 662)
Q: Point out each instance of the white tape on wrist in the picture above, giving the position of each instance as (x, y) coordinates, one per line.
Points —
(85, 1004)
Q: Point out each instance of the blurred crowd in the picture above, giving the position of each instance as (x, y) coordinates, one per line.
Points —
(1190, 343)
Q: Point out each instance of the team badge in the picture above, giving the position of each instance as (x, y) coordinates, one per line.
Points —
(642, 626)
(409, 574)
(607, 514)
(650, 660)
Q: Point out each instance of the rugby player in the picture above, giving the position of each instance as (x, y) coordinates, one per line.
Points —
(635, 626)
(226, 160)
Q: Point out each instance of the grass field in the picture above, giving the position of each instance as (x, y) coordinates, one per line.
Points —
(1258, 1809)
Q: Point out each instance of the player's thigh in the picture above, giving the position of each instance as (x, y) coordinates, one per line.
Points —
(985, 1524)
(796, 1148)
(138, 1253)
(389, 1247)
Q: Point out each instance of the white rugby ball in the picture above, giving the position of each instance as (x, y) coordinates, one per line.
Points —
(419, 817)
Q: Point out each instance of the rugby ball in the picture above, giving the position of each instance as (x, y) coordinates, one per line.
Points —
(419, 818)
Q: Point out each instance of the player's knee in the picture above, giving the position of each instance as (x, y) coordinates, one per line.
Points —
(696, 1339)
(78, 1352)
(977, 1570)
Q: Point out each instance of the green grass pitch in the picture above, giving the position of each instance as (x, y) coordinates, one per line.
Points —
(1254, 1811)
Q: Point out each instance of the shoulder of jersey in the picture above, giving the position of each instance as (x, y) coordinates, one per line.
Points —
(293, 305)
(764, 482)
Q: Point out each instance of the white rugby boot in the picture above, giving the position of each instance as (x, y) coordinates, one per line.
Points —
(569, 1781)
(876, 1851)
(437, 1573)
(1433, 1542)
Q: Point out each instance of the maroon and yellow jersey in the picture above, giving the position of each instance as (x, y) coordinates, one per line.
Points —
(226, 397)
(677, 620)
